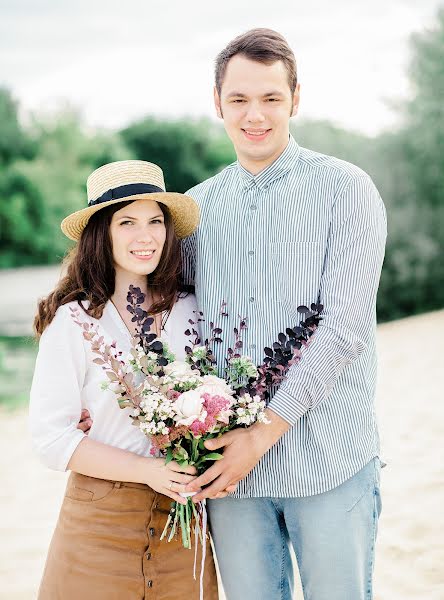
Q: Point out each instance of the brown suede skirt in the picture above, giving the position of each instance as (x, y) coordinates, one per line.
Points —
(106, 545)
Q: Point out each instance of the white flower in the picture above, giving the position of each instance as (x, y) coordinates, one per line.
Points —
(215, 386)
(189, 407)
(178, 369)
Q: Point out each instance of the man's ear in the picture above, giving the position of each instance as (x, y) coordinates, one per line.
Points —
(217, 103)
(296, 97)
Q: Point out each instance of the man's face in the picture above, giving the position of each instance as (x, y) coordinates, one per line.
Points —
(256, 104)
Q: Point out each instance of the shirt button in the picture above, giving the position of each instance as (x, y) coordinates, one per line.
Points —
(251, 252)
(148, 555)
(149, 584)
(253, 207)
(252, 346)
(152, 531)
(251, 299)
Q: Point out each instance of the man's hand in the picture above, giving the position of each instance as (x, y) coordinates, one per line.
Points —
(85, 421)
(243, 448)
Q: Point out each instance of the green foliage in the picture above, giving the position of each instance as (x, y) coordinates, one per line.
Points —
(187, 151)
(41, 191)
(13, 140)
(17, 357)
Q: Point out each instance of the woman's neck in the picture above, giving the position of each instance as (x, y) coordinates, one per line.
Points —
(122, 284)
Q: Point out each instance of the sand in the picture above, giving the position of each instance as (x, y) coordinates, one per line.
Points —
(410, 549)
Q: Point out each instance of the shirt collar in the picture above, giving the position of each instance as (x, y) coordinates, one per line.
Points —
(278, 168)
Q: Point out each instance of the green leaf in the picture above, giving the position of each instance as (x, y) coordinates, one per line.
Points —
(169, 455)
(212, 456)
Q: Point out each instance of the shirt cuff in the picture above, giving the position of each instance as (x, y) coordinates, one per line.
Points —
(58, 455)
(287, 407)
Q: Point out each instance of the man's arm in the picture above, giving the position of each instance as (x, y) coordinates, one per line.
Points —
(188, 251)
(348, 291)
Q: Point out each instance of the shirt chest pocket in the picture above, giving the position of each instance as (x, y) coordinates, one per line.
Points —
(297, 269)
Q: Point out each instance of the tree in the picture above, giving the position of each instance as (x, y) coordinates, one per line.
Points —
(187, 151)
(42, 191)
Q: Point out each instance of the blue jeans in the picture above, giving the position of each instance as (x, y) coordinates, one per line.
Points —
(333, 535)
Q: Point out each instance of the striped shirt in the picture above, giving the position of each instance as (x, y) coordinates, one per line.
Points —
(307, 228)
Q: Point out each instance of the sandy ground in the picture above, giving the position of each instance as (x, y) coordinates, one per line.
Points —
(410, 551)
(20, 289)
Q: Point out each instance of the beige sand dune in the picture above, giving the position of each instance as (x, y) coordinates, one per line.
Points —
(410, 553)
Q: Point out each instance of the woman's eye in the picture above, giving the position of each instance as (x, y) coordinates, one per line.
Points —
(157, 221)
(127, 223)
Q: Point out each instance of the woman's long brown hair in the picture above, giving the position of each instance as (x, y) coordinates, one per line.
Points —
(90, 273)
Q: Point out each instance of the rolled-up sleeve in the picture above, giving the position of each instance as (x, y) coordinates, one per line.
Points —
(55, 400)
(348, 289)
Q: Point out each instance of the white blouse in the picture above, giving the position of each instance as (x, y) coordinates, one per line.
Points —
(66, 380)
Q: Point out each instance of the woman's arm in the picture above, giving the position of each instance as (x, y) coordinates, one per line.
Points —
(96, 459)
(55, 400)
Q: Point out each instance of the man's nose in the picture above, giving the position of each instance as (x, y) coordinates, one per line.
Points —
(254, 113)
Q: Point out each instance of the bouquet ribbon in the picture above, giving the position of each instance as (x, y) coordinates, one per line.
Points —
(202, 510)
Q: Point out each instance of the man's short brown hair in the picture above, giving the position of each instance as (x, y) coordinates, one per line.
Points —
(262, 45)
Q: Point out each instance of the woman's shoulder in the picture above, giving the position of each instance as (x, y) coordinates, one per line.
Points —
(65, 319)
(186, 303)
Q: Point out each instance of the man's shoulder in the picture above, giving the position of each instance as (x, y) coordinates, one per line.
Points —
(201, 190)
(326, 165)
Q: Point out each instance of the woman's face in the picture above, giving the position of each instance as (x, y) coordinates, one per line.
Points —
(138, 235)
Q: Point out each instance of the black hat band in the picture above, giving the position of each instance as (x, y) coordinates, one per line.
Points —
(124, 191)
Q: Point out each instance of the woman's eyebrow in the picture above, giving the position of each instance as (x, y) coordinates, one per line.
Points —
(136, 218)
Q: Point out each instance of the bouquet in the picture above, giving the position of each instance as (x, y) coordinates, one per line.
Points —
(181, 403)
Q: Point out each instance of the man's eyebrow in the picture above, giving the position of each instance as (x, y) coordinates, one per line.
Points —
(238, 94)
(241, 95)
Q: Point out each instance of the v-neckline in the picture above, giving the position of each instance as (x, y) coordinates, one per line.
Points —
(123, 326)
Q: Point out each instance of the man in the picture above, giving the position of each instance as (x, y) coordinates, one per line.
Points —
(285, 226)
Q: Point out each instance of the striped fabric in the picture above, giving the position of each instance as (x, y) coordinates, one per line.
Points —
(309, 227)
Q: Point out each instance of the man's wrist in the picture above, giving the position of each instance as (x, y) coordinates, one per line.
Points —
(265, 435)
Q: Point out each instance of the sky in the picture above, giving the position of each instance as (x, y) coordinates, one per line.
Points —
(120, 61)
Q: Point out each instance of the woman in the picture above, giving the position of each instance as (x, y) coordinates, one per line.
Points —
(106, 543)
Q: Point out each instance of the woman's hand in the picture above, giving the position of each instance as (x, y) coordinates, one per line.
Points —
(169, 479)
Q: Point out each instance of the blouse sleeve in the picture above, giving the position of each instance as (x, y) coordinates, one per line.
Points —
(55, 401)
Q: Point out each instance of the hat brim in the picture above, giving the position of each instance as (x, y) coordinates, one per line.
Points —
(183, 209)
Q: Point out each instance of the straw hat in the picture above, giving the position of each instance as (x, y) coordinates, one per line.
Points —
(127, 180)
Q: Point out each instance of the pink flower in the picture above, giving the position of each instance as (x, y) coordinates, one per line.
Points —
(172, 394)
(199, 427)
(218, 407)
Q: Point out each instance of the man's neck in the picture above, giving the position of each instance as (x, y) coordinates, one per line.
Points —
(257, 166)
